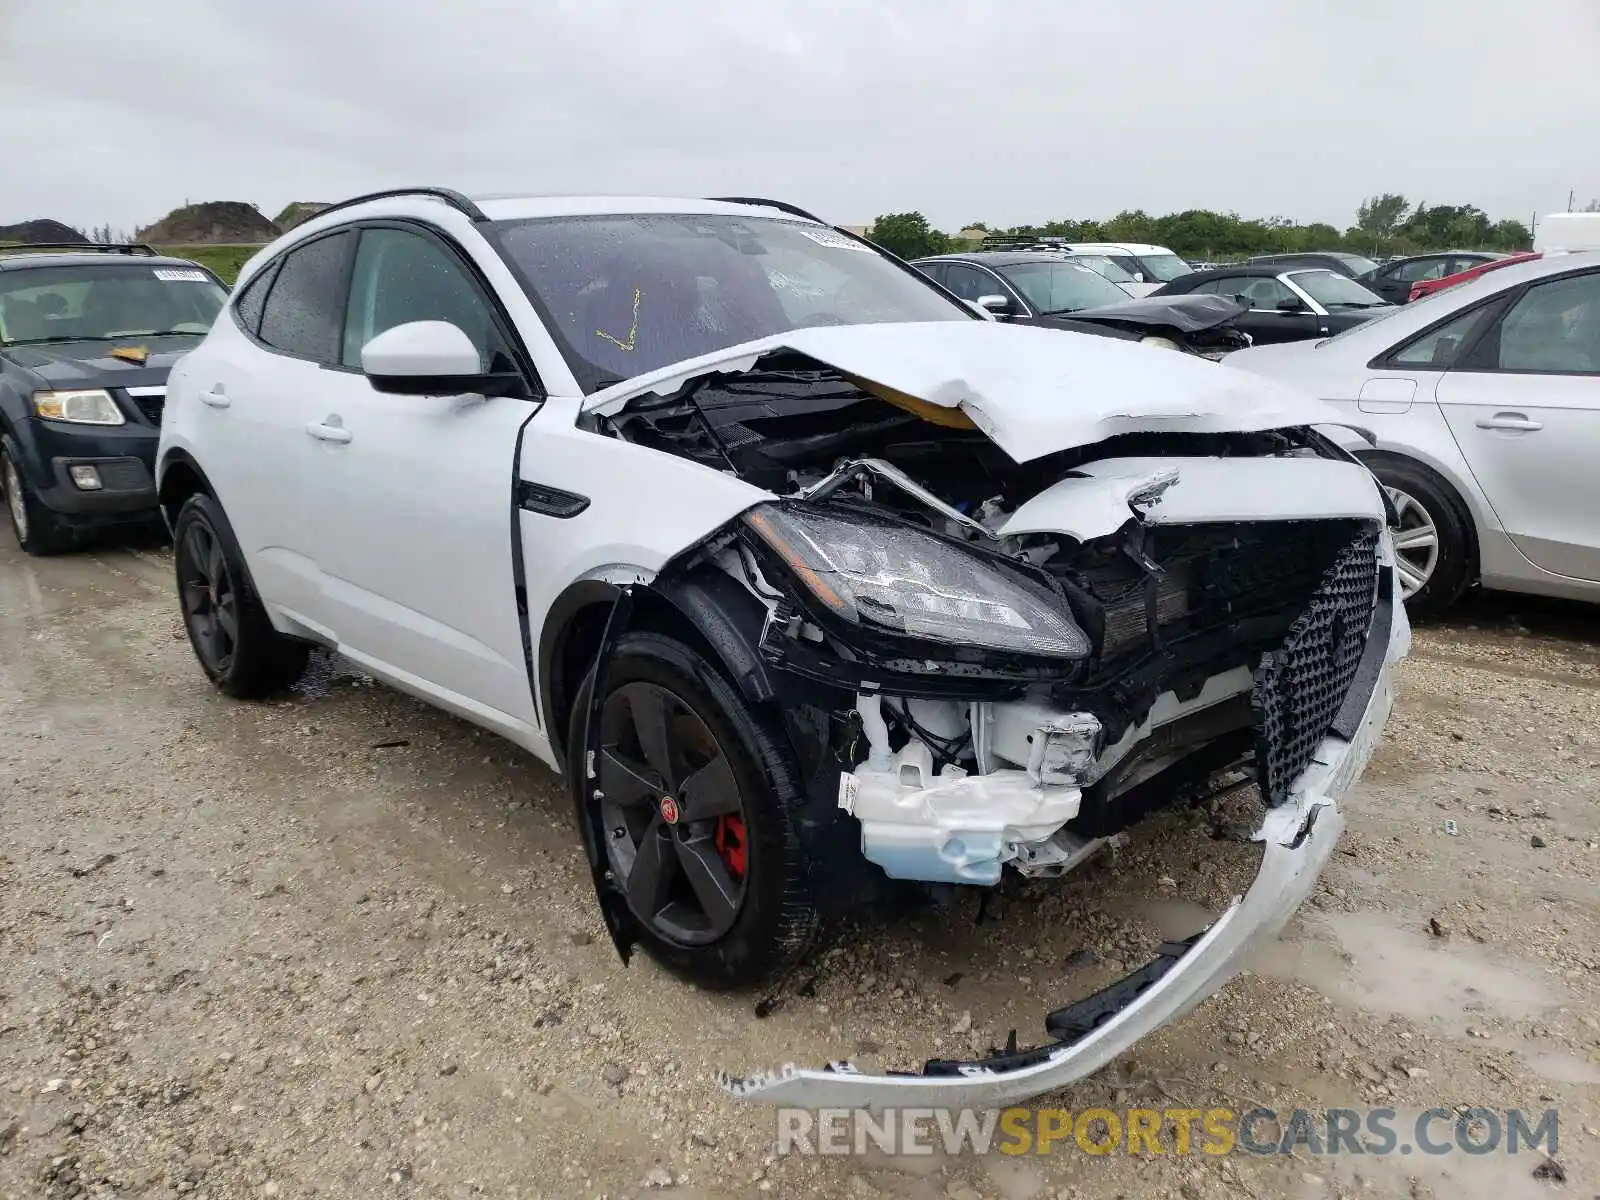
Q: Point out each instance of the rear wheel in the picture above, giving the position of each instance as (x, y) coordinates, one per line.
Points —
(229, 630)
(696, 800)
(36, 527)
(1433, 543)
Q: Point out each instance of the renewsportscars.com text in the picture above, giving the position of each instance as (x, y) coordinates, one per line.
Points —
(1161, 1131)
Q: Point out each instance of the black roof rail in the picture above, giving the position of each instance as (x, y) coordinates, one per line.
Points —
(759, 202)
(82, 248)
(450, 196)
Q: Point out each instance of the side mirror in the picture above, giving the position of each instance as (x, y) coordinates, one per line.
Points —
(1291, 304)
(431, 358)
(999, 305)
(1138, 276)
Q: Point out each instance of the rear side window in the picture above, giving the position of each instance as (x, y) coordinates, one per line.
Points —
(304, 313)
(253, 299)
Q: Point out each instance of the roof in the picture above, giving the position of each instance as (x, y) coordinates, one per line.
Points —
(1249, 270)
(1002, 258)
(21, 260)
(1118, 248)
(514, 207)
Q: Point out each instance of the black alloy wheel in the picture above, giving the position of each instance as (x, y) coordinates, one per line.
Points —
(673, 816)
(209, 596)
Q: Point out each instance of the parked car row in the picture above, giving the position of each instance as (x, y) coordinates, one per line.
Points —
(815, 581)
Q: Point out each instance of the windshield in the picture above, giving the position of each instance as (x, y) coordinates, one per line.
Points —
(1062, 287)
(627, 294)
(105, 302)
(1357, 265)
(1164, 268)
(1335, 291)
(1104, 266)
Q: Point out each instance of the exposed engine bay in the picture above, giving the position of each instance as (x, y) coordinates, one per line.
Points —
(1120, 665)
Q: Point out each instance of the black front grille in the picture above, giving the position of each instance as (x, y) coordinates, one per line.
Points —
(1300, 686)
(1211, 577)
(151, 407)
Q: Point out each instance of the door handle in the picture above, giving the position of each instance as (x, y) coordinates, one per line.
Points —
(1509, 420)
(328, 433)
(215, 398)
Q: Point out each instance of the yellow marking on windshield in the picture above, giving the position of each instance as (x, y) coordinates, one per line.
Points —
(633, 330)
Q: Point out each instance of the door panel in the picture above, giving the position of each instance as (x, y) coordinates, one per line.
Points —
(412, 532)
(1525, 410)
(412, 495)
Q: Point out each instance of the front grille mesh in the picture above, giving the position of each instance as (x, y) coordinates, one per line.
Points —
(1300, 686)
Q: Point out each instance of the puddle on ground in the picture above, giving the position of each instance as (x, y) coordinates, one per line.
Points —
(1176, 919)
(1385, 963)
(1560, 1067)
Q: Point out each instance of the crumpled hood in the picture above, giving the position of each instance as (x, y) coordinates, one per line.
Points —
(1186, 314)
(90, 364)
(1033, 391)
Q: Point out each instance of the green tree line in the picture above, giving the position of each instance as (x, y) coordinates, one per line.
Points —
(1385, 224)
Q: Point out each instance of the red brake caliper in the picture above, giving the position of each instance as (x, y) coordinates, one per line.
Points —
(730, 844)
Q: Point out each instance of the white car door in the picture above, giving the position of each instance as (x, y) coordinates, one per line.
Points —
(412, 515)
(254, 383)
(1524, 407)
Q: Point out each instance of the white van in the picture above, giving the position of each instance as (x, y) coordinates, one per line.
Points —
(1561, 233)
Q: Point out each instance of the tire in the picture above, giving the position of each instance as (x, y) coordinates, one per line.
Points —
(1426, 500)
(775, 920)
(37, 529)
(232, 638)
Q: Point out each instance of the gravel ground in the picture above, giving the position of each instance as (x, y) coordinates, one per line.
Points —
(340, 945)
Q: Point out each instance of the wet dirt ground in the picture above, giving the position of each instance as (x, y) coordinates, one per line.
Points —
(341, 945)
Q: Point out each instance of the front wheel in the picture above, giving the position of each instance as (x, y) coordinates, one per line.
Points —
(229, 630)
(694, 815)
(37, 529)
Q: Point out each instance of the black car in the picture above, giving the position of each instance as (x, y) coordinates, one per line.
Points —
(1393, 280)
(1352, 265)
(1284, 305)
(1050, 290)
(88, 334)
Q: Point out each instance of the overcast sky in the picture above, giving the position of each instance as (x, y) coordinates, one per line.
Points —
(1000, 110)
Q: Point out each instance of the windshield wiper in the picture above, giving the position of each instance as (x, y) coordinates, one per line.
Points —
(47, 341)
(1061, 312)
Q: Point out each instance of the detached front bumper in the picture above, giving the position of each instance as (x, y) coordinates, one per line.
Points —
(1298, 838)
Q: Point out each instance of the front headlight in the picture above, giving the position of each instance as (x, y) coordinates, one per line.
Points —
(1161, 343)
(896, 579)
(83, 406)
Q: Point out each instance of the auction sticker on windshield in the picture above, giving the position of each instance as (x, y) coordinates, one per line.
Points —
(180, 275)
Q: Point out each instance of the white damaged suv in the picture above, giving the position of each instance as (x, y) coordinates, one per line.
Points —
(813, 581)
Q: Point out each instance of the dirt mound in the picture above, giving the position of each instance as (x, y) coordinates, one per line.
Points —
(298, 212)
(43, 230)
(216, 222)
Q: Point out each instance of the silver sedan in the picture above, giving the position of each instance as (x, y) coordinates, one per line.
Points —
(1483, 405)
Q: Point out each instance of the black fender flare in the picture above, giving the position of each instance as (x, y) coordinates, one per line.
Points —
(721, 611)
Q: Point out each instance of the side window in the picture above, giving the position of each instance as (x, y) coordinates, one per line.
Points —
(934, 271)
(305, 308)
(253, 299)
(1128, 263)
(1265, 292)
(969, 283)
(402, 276)
(1441, 349)
(1555, 327)
(1423, 268)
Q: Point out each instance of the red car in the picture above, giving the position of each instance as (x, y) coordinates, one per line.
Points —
(1427, 287)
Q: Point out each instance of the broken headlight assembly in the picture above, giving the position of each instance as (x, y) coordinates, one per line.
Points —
(891, 578)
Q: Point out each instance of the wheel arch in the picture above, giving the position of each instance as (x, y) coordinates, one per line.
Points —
(180, 477)
(703, 607)
(1465, 510)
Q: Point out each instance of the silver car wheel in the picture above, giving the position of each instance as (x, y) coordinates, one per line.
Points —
(1416, 543)
(13, 488)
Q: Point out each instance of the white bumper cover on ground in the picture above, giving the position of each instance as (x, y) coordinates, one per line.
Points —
(1298, 838)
